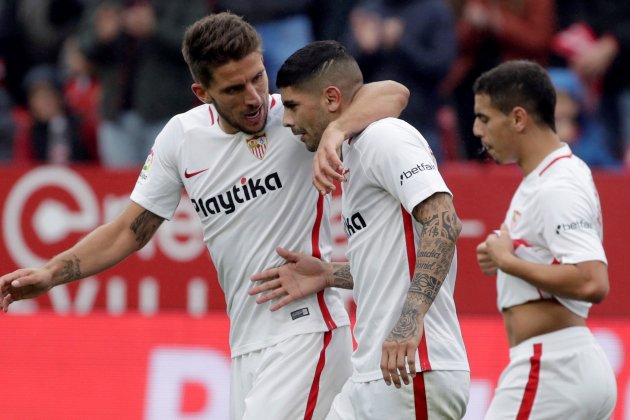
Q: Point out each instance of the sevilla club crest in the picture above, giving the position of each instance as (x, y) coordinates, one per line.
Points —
(257, 145)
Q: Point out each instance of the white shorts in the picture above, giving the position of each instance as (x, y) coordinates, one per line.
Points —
(439, 395)
(297, 378)
(561, 375)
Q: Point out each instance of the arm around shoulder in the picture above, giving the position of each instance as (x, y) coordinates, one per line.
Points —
(372, 102)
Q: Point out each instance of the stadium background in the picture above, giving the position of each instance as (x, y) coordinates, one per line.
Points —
(148, 338)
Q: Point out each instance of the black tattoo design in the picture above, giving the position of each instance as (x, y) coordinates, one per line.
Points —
(433, 260)
(342, 277)
(71, 269)
(407, 325)
(144, 226)
(426, 287)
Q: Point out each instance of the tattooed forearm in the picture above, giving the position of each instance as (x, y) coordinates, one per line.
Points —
(441, 228)
(425, 287)
(71, 269)
(408, 324)
(144, 226)
(341, 276)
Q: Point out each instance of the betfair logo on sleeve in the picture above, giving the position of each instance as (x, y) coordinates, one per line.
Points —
(421, 167)
(580, 224)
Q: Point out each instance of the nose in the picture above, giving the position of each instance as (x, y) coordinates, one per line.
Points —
(252, 97)
(477, 131)
(287, 119)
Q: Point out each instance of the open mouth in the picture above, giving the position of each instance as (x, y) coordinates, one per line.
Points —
(254, 115)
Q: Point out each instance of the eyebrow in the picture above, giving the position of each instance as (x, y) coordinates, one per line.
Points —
(234, 86)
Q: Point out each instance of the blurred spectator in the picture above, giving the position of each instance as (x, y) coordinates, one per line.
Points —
(576, 123)
(489, 32)
(568, 12)
(284, 27)
(7, 127)
(38, 29)
(412, 42)
(607, 61)
(135, 46)
(82, 92)
(54, 133)
(330, 18)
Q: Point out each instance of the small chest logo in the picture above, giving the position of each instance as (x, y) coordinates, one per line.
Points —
(516, 216)
(257, 145)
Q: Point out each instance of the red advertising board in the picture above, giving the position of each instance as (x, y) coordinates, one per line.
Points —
(149, 339)
(173, 366)
(45, 209)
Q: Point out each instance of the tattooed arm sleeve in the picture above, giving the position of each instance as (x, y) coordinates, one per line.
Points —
(105, 246)
(441, 228)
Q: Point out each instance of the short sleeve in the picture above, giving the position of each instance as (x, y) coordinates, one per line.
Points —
(400, 160)
(159, 187)
(571, 225)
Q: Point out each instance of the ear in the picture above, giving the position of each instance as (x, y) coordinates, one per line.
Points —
(332, 98)
(200, 93)
(520, 118)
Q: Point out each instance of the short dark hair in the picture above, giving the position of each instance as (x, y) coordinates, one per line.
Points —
(321, 62)
(216, 40)
(520, 83)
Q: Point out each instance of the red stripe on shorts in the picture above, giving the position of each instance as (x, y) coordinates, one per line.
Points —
(423, 352)
(532, 384)
(420, 397)
(312, 396)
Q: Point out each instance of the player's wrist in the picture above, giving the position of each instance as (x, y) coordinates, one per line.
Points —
(505, 262)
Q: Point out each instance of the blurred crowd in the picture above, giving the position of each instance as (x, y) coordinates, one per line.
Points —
(95, 80)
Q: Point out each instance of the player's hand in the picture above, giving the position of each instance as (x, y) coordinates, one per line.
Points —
(25, 283)
(327, 167)
(399, 351)
(499, 247)
(301, 276)
(486, 264)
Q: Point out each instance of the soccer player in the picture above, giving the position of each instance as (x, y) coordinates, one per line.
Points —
(548, 256)
(249, 179)
(402, 227)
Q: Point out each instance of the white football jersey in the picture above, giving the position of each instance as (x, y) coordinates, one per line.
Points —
(391, 170)
(252, 193)
(554, 218)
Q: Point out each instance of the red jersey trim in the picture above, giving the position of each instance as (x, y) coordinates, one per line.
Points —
(520, 242)
(532, 384)
(554, 161)
(211, 115)
(423, 351)
(317, 253)
(273, 102)
(313, 394)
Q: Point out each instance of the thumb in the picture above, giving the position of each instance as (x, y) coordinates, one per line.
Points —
(504, 229)
(286, 254)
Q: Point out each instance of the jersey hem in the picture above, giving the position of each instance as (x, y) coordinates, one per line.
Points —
(376, 375)
(248, 348)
